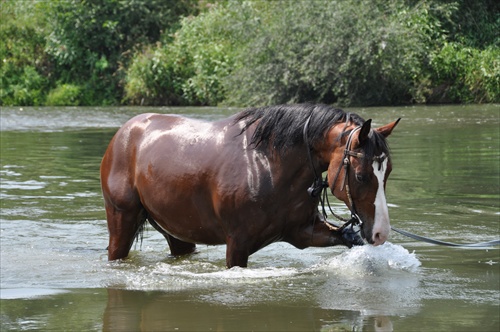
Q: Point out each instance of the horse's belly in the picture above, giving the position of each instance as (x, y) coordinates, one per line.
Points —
(188, 229)
(185, 214)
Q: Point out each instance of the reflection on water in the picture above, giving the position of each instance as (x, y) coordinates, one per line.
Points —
(55, 274)
(127, 310)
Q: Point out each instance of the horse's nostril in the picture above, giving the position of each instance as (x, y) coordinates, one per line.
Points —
(379, 239)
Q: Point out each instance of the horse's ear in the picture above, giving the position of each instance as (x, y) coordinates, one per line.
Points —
(365, 130)
(387, 129)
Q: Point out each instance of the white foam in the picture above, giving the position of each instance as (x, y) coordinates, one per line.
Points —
(23, 185)
(370, 260)
(239, 274)
(188, 275)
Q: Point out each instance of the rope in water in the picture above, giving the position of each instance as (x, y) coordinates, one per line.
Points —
(449, 244)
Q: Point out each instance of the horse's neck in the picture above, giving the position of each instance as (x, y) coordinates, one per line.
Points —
(297, 169)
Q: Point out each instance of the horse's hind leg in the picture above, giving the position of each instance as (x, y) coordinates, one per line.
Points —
(123, 226)
(177, 247)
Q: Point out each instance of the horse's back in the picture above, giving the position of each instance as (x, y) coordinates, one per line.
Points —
(122, 150)
(153, 140)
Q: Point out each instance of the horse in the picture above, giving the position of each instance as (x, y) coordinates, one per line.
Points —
(245, 181)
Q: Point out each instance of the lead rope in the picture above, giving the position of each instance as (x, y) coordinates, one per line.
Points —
(449, 244)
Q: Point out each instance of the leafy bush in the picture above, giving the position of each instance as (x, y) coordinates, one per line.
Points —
(474, 23)
(349, 52)
(23, 62)
(21, 86)
(191, 69)
(64, 95)
(352, 52)
(92, 39)
(249, 53)
(465, 74)
(153, 79)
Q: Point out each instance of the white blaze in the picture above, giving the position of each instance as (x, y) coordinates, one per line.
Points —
(381, 225)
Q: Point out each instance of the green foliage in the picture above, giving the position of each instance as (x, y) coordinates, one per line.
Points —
(349, 52)
(93, 40)
(352, 52)
(200, 42)
(191, 68)
(64, 95)
(475, 24)
(465, 74)
(80, 43)
(23, 62)
(21, 86)
(153, 79)
(253, 53)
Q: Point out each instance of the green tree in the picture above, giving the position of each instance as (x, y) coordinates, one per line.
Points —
(92, 41)
(464, 74)
(466, 66)
(190, 69)
(155, 77)
(350, 52)
(267, 52)
(24, 65)
(474, 23)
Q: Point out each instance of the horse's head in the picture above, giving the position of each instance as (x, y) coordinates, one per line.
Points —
(357, 174)
(356, 156)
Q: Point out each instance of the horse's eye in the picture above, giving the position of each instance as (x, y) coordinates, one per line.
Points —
(360, 177)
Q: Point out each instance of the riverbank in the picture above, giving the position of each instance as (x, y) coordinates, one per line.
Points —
(251, 53)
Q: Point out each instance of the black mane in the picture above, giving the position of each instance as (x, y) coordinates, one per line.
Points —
(282, 126)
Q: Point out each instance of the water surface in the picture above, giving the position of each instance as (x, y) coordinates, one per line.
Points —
(55, 274)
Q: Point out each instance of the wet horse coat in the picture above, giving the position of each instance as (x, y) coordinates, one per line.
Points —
(241, 181)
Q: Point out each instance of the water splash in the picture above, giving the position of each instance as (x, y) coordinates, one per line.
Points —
(188, 275)
(370, 260)
(373, 280)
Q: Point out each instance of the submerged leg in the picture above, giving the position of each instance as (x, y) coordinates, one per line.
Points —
(177, 247)
(235, 254)
(123, 226)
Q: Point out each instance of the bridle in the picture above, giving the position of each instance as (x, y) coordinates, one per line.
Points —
(318, 188)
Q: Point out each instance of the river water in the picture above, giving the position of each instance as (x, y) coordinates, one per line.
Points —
(55, 274)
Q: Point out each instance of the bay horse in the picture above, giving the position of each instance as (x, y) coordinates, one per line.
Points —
(245, 181)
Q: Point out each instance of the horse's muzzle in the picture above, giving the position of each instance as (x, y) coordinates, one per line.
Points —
(352, 237)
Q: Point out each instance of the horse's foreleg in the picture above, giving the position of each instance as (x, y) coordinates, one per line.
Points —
(123, 226)
(236, 254)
